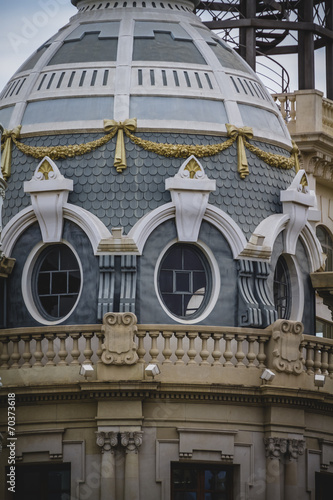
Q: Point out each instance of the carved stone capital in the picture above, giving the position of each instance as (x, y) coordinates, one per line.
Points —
(286, 339)
(107, 441)
(131, 441)
(295, 448)
(119, 347)
(275, 447)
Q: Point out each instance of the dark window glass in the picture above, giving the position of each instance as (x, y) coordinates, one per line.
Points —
(184, 280)
(324, 329)
(201, 481)
(282, 289)
(57, 281)
(327, 246)
(42, 482)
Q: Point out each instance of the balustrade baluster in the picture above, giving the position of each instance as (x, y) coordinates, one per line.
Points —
(38, 354)
(167, 352)
(317, 359)
(204, 353)
(15, 356)
(330, 362)
(309, 346)
(217, 351)
(180, 351)
(261, 354)
(240, 355)
(228, 352)
(62, 351)
(141, 350)
(27, 355)
(4, 356)
(75, 352)
(153, 351)
(50, 353)
(251, 356)
(324, 360)
(100, 336)
(191, 351)
(88, 352)
(292, 100)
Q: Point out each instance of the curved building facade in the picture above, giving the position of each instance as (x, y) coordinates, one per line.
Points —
(158, 236)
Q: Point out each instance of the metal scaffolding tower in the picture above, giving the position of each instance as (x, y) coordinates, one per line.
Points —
(273, 27)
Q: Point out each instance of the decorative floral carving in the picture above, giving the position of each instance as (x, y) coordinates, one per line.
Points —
(278, 447)
(131, 441)
(275, 447)
(119, 347)
(107, 440)
(287, 337)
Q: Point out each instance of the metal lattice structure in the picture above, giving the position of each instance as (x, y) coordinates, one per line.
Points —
(274, 27)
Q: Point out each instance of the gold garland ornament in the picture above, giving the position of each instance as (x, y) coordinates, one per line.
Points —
(6, 157)
(57, 152)
(167, 150)
(180, 150)
(240, 134)
(127, 126)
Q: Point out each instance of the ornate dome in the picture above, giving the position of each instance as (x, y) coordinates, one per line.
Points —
(156, 62)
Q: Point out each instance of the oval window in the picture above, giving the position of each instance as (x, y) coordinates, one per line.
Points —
(184, 281)
(56, 282)
(282, 289)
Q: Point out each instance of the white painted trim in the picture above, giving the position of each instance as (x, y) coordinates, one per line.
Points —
(141, 231)
(89, 223)
(313, 247)
(262, 240)
(228, 227)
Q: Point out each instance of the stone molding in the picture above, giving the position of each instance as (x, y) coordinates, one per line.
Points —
(284, 347)
(107, 441)
(119, 347)
(278, 448)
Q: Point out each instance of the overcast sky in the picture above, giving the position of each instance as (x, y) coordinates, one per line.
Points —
(26, 24)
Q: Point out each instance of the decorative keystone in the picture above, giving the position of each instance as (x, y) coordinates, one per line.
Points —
(49, 192)
(190, 189)
(284, 353)
(119, 347)
(296, 201)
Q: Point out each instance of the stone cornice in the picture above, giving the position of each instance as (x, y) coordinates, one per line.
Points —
(265, 395)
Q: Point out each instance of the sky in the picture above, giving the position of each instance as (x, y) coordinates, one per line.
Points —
(26, 24)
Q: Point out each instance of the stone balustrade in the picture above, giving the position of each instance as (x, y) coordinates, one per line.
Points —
(306, 112)
(165, 344)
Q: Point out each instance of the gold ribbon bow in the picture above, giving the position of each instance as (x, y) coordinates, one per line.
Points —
(120, 154)
(240, 134)
(6, 158)
(295, 153)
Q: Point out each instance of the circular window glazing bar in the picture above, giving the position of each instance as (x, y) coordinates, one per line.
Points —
(56, 282)
(184, 281)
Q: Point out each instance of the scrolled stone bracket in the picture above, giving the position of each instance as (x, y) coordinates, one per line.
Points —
(107, 441)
